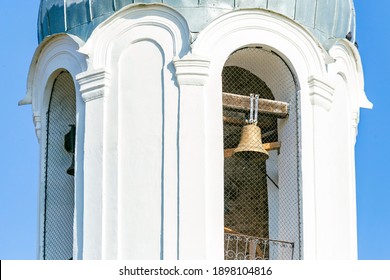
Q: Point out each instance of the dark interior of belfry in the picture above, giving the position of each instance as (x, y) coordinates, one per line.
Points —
(249, 133)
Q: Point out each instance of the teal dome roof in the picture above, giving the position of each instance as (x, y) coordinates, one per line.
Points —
(324, 18)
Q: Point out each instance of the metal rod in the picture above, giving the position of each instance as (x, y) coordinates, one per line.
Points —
(256, 107)
(241, 103)
(276, 185)
(251, 108)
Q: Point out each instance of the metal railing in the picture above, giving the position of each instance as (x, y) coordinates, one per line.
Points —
(244, 247)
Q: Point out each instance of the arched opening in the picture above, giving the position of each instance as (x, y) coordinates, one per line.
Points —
(261, 188)
(59, 180)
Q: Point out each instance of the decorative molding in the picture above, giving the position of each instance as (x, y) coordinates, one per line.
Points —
(26, 100)
(192, 70)
(37, 123)
(355, 121)
(279, 33)
(93, 84)
(56, 52)
(125, 27)
(349, 63)
(320, 92)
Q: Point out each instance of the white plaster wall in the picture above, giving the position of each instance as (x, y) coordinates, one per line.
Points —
(139, 112)
(347, 77)
(341, 191)
(338, 224)
(141, 152)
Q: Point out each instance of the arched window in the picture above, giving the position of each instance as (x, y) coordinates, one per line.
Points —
(261, 188)
(59, 181)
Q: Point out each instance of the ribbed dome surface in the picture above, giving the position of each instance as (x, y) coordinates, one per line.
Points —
(324, 18)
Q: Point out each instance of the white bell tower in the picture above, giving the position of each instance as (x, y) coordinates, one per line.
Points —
(139, 107)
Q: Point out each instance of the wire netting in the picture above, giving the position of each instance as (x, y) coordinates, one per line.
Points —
(262, 189)
(59, 186)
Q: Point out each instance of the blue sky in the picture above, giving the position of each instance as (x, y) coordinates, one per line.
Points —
(19, 147)
(372, 147)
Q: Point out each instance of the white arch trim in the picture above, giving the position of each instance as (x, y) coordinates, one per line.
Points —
(278, 32)
(349, 65)
(55, 53)
(107, 38)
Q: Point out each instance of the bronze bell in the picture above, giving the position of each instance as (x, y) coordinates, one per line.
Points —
(250, 143)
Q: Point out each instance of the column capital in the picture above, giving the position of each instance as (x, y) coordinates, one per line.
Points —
(355, 122)
(192, 70)
(38, 124)
(94, 84)
(321, 92)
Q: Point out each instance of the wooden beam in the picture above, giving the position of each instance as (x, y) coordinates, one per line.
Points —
(262, 122)
(272, 146)
(233, 120)
(267, 146)
(228, 153)
(266, 106)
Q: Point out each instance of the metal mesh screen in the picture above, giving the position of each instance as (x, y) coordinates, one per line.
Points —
(59, 186)
(261, 167)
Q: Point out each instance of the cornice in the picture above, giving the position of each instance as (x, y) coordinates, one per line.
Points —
(38, 124)
(93, 84)
(192, 70)
(320, 92)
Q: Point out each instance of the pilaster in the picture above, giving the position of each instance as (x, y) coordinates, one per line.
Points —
(93, 84)
(94, 87)
(38, 124)
(321, 92)
(192, 73)
(321, 97)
